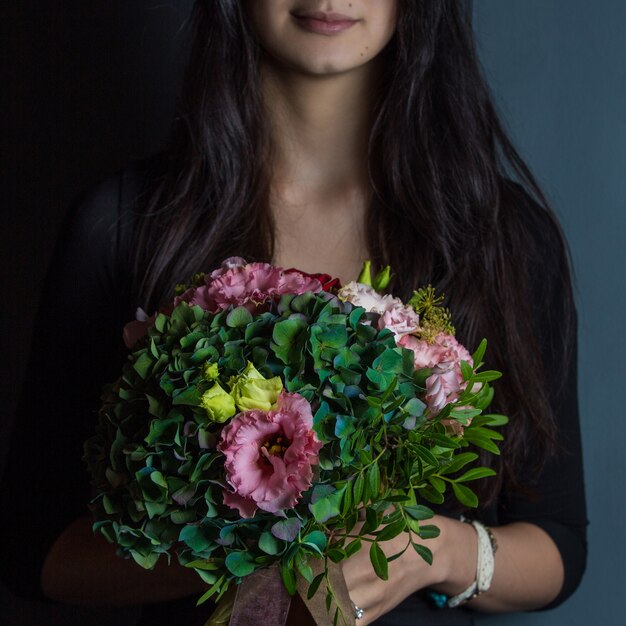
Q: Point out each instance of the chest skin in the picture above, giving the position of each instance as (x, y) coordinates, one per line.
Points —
(324, 237)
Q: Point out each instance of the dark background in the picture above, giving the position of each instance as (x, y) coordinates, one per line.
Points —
(92, 85)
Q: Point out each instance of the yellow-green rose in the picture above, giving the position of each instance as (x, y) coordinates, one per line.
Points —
(218, 403)
(252, 391)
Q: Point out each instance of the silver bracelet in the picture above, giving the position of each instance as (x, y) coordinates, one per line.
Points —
(485, 563)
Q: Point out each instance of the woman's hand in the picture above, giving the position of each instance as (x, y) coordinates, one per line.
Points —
(528, 570)
(409, 572)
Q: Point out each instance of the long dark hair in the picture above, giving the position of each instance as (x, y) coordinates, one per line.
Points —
(444, 208)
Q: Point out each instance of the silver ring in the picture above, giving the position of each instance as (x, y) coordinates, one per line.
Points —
(358, 611)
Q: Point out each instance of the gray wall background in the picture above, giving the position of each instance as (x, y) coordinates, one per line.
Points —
(92, 85)
(558, 69)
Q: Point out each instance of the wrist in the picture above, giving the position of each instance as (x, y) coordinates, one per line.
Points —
(454, 556)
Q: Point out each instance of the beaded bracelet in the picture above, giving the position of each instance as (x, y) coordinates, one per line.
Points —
(487, 546)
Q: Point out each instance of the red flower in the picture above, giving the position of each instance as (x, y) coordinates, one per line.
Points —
(328, 282)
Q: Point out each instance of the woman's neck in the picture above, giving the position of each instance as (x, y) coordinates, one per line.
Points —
(320, 127)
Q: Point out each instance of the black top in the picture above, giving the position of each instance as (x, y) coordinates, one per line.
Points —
(77, 347)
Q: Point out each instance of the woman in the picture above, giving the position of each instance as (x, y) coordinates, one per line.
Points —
(317, 141)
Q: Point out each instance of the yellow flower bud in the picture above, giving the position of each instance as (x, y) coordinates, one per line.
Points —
(218, 404)
(211, 371)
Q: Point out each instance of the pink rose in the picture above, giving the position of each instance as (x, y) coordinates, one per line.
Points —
(269, 456)
(443, 385)
(400, 320)
(443, 356)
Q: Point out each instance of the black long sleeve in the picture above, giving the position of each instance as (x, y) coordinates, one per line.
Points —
(76, 347)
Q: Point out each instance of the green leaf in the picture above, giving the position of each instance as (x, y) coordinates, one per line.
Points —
(346, 358)
(208, 564)
(481, 431)
(288, 339)
(425, 454)
(415, 407)
(286, 529)
(429, 531)
(379, 561)
(344, 425)
(476, 473)
(466, 370)
(495, 419)
(239, 317)
(189, 396)
(464, 416)
(486, 377)
(327, 507)
(208, 577)
(437, 483)
(302, 565)
(214, 589)
(353, 547)
(330, 336)
(357, 488)
(240, 563)
(419, 512)
(289, 577)
(459, 461)
(431, 494)
(443, 441)
(373, 477)
(143, 365)
(371, 521)
(160, 322)
(147, 562)
(391, 530)
(479, 354)
(424, 552)
(465, 495)
(196, 537)
(389, 362)
(481, 442)
(268, 543)
(317, 539)
(314, 586)
(336, 555)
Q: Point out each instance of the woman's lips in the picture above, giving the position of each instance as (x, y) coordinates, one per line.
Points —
(324, 23)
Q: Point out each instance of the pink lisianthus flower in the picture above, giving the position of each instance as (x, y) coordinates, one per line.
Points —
(293, 281)
(269, 456)
(238, 283)
(399, 318)
(249, 285)
(443, 355)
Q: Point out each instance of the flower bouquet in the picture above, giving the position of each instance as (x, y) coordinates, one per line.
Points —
(273, 421)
